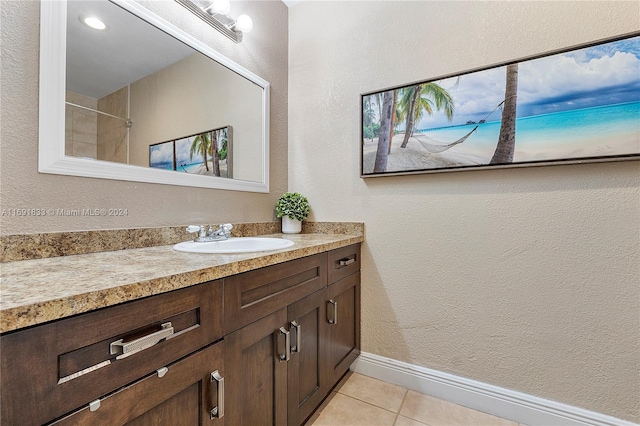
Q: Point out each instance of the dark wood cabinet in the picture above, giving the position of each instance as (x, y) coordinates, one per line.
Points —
(56, 368)
(281, 367)
(258, 348)
(308, 382)
(252, 295)
(256, 382)
(183, 393)
(343, 312)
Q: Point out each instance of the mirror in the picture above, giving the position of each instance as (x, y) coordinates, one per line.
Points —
(142, 100)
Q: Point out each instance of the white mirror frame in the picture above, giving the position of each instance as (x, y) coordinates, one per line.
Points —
(51, 152)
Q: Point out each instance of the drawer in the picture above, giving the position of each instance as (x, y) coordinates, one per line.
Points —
(168, 398)
(57, 367)
(343, 262)
(252, 295)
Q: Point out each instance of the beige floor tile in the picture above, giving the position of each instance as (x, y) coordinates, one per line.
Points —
(436, 412)
(374, 391)
(346, 411)
(322, 406)
(343, 381)
(405, 421)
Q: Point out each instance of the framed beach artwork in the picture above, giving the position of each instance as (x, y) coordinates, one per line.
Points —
(577, 105)
(206, 153)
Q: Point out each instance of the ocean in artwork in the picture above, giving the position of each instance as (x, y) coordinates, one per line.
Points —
(164, 166)
(585, 132)
(189, 168)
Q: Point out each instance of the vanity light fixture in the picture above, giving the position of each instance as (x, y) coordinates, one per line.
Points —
(219, 7)
(215, 12)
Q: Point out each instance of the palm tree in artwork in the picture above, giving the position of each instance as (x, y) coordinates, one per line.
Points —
(368, 115)
(394, 117)
(202, 145)
(507, 138)
(215, 153)
(382, 151)
(421, 98)
(223, 142)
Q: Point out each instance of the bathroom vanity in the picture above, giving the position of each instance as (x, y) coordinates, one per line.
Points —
(261, 344)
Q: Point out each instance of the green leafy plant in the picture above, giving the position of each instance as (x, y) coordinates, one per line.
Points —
(293, 205)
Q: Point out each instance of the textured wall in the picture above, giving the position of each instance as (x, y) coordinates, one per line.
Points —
(264, 52)
(160, 108)
(522, 278)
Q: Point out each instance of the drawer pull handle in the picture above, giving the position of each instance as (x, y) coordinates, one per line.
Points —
(162, 371)
(346, 261)
(298, 328)
(333, 320)
(144, 342)
(287, 345)
(217, 412)
(94, 405)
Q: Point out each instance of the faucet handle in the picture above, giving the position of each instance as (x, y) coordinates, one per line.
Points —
(193, 228)
(226, 229)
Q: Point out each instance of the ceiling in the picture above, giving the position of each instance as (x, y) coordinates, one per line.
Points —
(101, 62)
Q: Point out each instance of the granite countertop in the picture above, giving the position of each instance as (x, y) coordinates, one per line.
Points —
(41, 290)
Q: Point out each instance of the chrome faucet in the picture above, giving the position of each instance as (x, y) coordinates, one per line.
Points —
(222, 233)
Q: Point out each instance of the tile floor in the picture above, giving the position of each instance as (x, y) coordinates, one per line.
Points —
(362, 400)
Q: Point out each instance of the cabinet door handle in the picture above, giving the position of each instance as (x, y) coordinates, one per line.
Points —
(346, 261)
(217, 412)
(128, 347)
(298, 328)
(333, 320)
(287, 345)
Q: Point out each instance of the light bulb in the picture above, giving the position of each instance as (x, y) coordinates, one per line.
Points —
(94, 23)
(243, 23)
(220, 7)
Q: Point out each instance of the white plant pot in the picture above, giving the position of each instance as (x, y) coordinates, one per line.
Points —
(291, 226)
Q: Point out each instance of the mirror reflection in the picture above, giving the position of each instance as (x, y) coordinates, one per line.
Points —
(136, 95)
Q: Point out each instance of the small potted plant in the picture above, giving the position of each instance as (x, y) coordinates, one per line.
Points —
(293, 208)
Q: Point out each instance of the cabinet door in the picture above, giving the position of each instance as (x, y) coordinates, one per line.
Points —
(183, 394)
(343, 316)
(308, 381)
(256, 384)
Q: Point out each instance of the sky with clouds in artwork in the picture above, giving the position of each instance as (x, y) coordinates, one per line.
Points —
(163, 153)
(606, 74)
(183, 149)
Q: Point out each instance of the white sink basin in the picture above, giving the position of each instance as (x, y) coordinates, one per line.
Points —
(234, 245)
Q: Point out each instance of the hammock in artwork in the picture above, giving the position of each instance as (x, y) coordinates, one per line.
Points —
(436, 149)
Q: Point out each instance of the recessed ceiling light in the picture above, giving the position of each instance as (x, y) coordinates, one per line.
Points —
(93, 22)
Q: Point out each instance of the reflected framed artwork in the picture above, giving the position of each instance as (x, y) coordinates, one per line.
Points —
(576, 105)
(206, 153)
(162, 156)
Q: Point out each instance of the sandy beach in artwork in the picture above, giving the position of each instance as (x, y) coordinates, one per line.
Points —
(616, 144)
(202, 170)
(479, 150)
(415, 157)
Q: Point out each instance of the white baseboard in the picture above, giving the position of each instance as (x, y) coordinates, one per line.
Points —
(516, 406)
